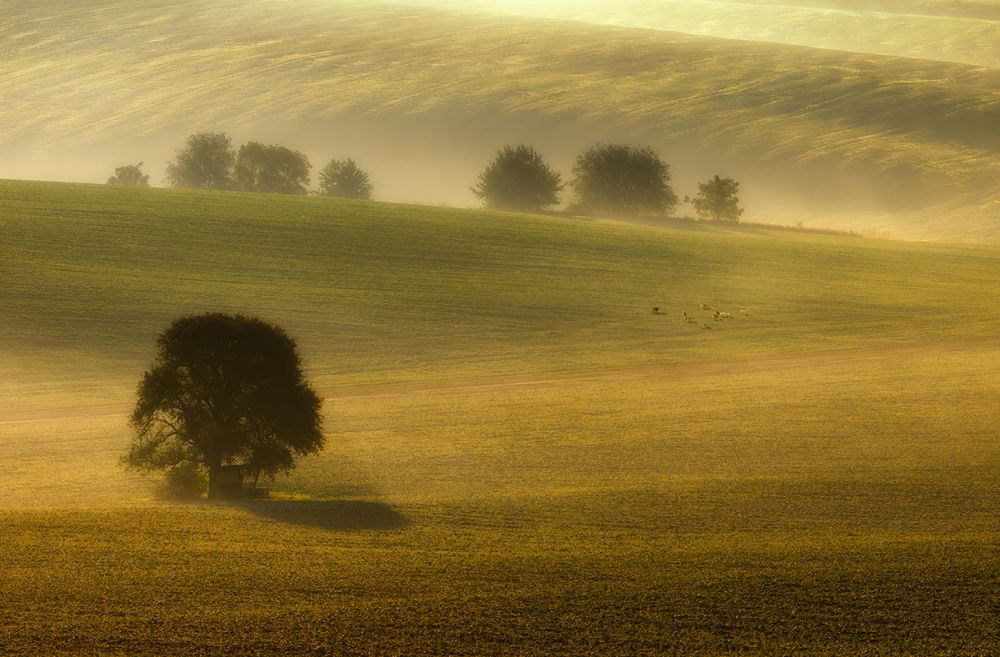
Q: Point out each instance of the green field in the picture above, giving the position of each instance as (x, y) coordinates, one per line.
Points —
(522, 458)
(423, 98)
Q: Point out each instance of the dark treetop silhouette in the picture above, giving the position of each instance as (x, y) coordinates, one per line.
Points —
(224, 390)
(343, 179)
(205, 162)
(618, 179)
(270, 169)
(519, 180)
(130, 175)
(717, 200)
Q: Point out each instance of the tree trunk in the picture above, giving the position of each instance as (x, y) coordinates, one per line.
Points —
(225, 482)
(213, 482)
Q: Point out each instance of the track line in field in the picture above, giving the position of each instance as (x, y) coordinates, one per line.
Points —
(691, 370)
(61, 418)
(678, 370)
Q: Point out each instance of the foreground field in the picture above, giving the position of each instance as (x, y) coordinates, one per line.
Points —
(522, 459)
(825, 509)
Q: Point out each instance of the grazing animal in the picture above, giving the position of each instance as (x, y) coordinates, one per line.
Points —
(704, 307)
(745, 312)
(688, 319)
(704, 326)
(656, 310)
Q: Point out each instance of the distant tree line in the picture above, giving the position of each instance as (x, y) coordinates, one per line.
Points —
(607, 179)
(209, 161)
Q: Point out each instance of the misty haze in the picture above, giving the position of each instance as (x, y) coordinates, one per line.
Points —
(507, 328)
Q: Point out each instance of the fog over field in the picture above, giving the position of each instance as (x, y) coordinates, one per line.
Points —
(876, 119)
(568, 434)
(521, 458)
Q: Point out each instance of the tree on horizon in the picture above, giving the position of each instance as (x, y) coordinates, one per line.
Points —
(343, 179)
(519, 180)
(205, 162)
(130, 175)
(717, 200)
(271, 170)
(622, 180)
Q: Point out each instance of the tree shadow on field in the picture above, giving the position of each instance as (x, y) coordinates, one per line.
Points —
(332, 515)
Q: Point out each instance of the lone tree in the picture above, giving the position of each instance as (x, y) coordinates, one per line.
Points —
(518, 180)
(717, 200)
(129, 175)
(618, 179)
(343, 179)
(205, 162)
(224, 390)
(270, 169)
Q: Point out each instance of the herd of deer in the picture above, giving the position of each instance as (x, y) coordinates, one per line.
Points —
(718, 315)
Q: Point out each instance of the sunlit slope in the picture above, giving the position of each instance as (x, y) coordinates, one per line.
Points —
(964, 32)
(422, 100)
(386, 296)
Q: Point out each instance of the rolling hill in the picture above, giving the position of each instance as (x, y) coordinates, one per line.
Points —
(522, 458)
(423, 98)
(943, 30)
(385, 297)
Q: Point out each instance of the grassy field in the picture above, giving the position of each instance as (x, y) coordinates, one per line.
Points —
(523, 458)
(422, 99)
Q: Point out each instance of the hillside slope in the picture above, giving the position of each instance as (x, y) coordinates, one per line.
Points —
(962, 32)
(423, 99)
(385, 296)
(522, 458)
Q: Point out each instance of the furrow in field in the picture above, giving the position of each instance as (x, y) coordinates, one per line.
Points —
(674, 371)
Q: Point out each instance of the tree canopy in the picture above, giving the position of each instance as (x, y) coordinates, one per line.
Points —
(205, 162)
(618, 179)
(717, 200)
(270, 169)
(224, 390)
(518, 179)
(343, 179)
(129, 175)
